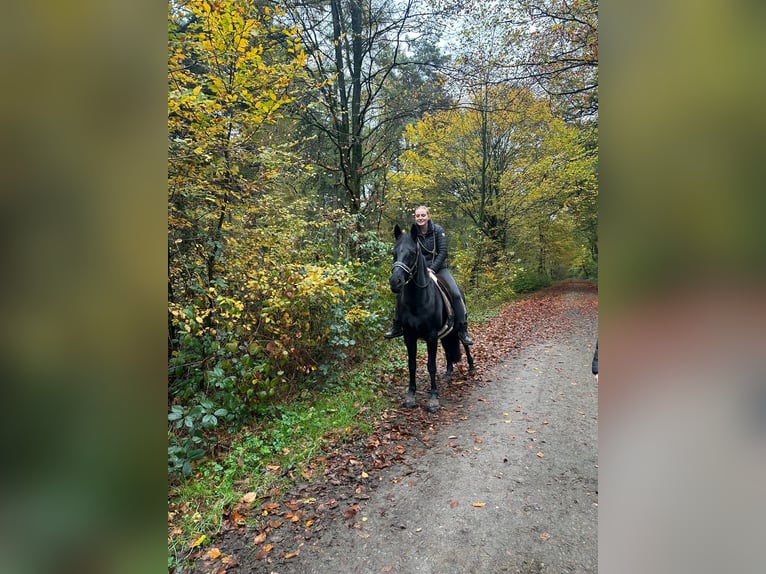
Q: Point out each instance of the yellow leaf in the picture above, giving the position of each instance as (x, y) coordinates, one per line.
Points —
(197, 542)
(531, 431)
(478, 504)
(540, 454)
(365, 475)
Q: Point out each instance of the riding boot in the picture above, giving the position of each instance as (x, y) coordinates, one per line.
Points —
(463, 335)
(396, 330)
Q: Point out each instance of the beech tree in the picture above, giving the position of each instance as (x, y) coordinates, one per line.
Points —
(228, 77)
(509, 166)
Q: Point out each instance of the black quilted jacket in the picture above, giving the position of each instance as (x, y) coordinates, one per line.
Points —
(433, 245)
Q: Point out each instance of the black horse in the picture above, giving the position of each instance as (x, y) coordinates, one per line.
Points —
(423, 313)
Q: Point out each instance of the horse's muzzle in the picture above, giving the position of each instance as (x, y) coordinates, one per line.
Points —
(395, 283)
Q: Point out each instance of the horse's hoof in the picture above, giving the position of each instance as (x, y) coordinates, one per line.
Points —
(433, 405)
(409, 400)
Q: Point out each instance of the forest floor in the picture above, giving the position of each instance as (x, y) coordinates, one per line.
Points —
(504, 478)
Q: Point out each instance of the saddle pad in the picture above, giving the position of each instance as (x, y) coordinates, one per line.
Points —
(447, 297)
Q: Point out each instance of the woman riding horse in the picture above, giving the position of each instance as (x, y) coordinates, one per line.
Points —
(433, 245)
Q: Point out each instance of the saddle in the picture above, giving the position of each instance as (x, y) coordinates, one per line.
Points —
(446, 294)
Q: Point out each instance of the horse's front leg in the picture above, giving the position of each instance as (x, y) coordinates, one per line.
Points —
(433, 347)
(412, 357)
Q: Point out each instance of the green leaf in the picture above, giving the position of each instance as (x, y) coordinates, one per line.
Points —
(209, 421)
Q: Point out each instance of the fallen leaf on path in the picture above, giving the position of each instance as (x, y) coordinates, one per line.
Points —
(237, 518)
(544, 536)
(478, 504)
(260, 539)
(292, 554)
(199, 541)
(351, 512)
(541, 455)
(249, 497)
(212, 554)
(531, 431)
(453, 504)
(270, 507)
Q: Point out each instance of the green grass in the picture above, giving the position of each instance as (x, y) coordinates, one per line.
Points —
(274, 453)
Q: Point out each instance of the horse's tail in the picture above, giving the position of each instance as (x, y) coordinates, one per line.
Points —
(451, 345)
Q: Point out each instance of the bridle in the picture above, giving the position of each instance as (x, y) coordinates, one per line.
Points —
(410, 272)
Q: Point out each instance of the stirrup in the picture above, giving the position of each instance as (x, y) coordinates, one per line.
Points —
(394, 333)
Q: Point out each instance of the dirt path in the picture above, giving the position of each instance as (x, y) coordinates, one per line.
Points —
(504, 479)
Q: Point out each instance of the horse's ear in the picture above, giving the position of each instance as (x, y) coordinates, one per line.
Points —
(414, 231)
(397, 231)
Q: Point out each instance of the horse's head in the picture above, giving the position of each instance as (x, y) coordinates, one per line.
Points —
(406, 253)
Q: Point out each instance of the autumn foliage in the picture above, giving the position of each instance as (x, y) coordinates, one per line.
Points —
(277, 265)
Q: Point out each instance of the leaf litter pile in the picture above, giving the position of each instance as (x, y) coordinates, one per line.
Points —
(272, 529)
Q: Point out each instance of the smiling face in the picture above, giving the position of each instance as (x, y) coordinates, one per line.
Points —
(421, 217)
